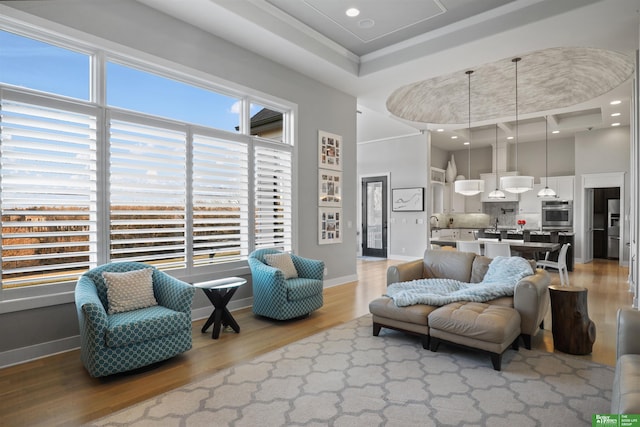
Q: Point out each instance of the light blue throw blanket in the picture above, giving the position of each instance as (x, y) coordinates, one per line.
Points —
(499, 281)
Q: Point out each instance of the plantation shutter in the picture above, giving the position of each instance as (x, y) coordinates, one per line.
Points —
(220, 200)
(48, 189)
(273, 197)
(147, 185)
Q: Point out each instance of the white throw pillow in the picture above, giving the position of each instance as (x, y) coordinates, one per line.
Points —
(130, 290)
(282, 262)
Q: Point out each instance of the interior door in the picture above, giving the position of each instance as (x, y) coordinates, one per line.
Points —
(374, 216)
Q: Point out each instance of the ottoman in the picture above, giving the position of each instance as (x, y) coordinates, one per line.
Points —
(485, 327)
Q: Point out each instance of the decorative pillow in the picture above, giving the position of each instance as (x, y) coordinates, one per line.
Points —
(507, 270)
(130, 290)
(282, 262)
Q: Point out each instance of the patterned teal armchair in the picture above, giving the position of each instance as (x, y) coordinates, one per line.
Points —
(122, 341)
(279, 298)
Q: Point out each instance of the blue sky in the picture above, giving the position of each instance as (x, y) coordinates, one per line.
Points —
(33, 64)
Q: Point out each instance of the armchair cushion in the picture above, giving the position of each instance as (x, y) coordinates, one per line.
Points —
(282, 261)
(142, 325)
(301, 288)
(130, 290)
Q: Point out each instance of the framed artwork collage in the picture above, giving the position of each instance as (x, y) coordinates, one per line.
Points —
(329, 188)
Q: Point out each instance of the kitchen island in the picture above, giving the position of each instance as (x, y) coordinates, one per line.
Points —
(528, 249)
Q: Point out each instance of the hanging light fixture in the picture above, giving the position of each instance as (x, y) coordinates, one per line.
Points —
(496, 194)
(469, 187)
(516, 183)
(546, 192)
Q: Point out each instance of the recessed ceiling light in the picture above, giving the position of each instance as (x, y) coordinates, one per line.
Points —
(467, 143)
(555, 131)
(615, 124)
(509, 137)
(454, 137)
(366, 23)
(616, 102)
(615, 114)
(352, 12)
(440, 130)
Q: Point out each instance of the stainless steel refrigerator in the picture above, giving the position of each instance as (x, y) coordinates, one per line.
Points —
(613, 228)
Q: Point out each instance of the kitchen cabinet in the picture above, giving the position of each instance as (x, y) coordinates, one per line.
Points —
(453, 234)
(562, 185)
(490, 184)
(473, 204)
(529, 202)
(453, 202)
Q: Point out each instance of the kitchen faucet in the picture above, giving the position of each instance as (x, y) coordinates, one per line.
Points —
(496, 226)
(436, 218)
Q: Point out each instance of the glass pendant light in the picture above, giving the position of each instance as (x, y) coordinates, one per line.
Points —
(496, 194)
(546, 192)
(469, 187)
(516, 183)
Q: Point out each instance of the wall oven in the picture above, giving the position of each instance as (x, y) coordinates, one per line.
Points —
(557, 215)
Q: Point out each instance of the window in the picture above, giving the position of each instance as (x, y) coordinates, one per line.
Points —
(48, 172)
(140, 179)
(273, 198)
(220, 200)
(150, 93)
(147, 193)
(36, 65)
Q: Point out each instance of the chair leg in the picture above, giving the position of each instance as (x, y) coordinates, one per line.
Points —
(376, 329)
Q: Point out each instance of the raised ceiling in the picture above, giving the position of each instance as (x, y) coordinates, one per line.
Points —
(418, 40)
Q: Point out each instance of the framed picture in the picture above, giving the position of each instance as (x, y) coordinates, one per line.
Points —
(407, 199)
(330, 225)
(329, 188)
(329, 151)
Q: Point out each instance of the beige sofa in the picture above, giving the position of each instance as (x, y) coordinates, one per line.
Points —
(531, 298)
(625, 396)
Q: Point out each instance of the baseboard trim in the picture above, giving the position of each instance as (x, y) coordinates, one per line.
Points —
(38, 351)
(340, 281)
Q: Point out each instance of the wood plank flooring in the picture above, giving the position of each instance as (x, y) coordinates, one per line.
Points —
(56, 390)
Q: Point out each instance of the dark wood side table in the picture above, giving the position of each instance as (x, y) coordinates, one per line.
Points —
(573, 331)
(219, 293)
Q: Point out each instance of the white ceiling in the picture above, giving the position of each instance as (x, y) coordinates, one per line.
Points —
(415, 40)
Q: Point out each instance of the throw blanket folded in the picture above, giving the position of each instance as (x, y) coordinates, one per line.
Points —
(499, 281)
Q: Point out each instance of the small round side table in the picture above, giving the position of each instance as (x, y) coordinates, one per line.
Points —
(219, 293)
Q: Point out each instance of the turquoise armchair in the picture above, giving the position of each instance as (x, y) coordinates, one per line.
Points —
(279, 298)
(119, 342)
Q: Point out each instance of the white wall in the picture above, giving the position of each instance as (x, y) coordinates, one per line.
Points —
(601, 151)
(406, 161)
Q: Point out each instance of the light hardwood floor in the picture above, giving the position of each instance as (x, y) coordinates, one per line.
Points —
(56, 390)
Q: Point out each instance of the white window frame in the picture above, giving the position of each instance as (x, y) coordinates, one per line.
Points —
(100, 51)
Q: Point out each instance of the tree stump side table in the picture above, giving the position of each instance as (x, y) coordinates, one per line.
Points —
(573, 331)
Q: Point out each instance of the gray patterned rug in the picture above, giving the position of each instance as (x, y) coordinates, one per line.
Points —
(346, 377)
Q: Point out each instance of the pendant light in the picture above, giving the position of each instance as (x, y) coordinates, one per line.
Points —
(469, 187)
(546, 192)
(496, 194)
(516, 183)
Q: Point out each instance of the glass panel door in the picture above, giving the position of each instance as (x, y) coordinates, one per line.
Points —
(374, 216)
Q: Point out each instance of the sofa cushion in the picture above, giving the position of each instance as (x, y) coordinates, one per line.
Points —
(385, 307)
(448, 265)
(479, 268)
(142, 325)
(625, 398)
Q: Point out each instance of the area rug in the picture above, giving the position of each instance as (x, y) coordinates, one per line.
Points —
(347, 377)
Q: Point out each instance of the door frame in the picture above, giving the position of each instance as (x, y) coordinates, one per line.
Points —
(600, 180)
(359, 209)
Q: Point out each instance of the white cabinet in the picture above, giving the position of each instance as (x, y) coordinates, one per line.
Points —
(562, 185)
(446, 234)
(465, 234)
(491, 182)
(473, 204)
(530, 203)
(453, 202)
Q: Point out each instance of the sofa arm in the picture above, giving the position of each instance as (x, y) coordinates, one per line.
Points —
(628, 332)
(531, 300)
(405, 272)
